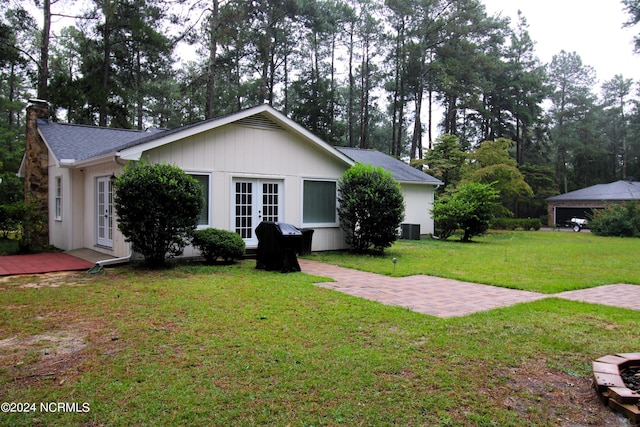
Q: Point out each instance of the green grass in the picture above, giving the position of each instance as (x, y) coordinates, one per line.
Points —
(548, 262)
(232, 345)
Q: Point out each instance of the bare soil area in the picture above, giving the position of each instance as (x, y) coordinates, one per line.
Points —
(570, 400)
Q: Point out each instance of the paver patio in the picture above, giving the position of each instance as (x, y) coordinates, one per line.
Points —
(451, 298)
(41, 263)
(424, 294)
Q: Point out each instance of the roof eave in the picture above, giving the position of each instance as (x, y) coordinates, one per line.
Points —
(92, 161)
(435, 184)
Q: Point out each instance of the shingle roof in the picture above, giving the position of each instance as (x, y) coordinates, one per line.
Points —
(619, 190)
(401, 171)
(80, 142)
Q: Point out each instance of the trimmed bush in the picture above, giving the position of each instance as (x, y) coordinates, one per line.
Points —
(371, 208)
(158, 206)
(214, 243)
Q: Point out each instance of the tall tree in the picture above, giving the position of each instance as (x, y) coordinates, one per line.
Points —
(214, 26)
(571, 100)
(369, 36)
(399, 13)
(471, 51)
(315, 99)
(633, 9)
(527, 87)
(124, 49)
(616, 97)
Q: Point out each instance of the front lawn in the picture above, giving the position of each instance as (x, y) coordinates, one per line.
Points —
(548, 262)
(236, 346)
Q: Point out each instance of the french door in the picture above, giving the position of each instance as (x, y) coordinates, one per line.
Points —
(104, 211)
(255, 200)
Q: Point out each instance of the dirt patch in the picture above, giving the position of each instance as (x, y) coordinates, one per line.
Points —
(48, 356)
(540, 393)
(50, 280)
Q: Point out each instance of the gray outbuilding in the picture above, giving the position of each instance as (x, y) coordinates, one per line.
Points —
(582, 203)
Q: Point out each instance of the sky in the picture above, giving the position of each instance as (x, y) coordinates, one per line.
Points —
(591, 28)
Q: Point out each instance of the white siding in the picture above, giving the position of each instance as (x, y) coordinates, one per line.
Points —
(89, 238)
(236, 151)
(418, 201)
(228, 152)
(60, 230)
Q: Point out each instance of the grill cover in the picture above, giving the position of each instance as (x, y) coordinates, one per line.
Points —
(277, 245)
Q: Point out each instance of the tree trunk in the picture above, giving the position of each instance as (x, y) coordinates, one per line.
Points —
(364, 97)
(43, 70)
(139, 94)
(352, 83)
(213, 47)
(106, 64)
(417, 126)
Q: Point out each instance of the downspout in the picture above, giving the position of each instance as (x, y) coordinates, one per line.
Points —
(111, 261)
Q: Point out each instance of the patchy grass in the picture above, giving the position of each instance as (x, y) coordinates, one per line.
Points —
(548, 262)
(231, 345)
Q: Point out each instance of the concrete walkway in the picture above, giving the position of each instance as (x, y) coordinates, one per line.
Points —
(452, 298)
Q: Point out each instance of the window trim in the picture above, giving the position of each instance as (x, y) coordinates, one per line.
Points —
(208, 196)
(336, 222)
(57, 199)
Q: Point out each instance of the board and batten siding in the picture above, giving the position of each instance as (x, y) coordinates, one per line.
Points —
(418, 205)
(237, 151)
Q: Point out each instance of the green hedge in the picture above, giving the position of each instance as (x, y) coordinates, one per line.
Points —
(515, 224)
(214, 243)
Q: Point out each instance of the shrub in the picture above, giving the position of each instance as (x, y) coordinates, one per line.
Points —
(371, 208)
(470, 208)
(27, 220)
(214, 244)
(515, 224)
(617, 220)
(11, 217)
(158, 207)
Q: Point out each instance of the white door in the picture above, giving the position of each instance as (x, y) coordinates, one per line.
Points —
(104, 211)
(254, 201)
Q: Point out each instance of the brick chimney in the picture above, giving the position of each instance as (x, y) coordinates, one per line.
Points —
(36, 173)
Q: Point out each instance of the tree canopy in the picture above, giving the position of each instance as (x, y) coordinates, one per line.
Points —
(393, 75)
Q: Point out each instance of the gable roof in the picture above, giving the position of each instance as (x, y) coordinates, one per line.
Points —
(401, 171)
(615, 191)
(262, 116)
(76, 145)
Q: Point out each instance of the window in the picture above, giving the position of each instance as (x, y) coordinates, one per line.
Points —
(58, 198)
(203, 180)
(319, 202)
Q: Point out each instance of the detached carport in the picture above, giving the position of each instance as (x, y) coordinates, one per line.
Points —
(582, 203)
